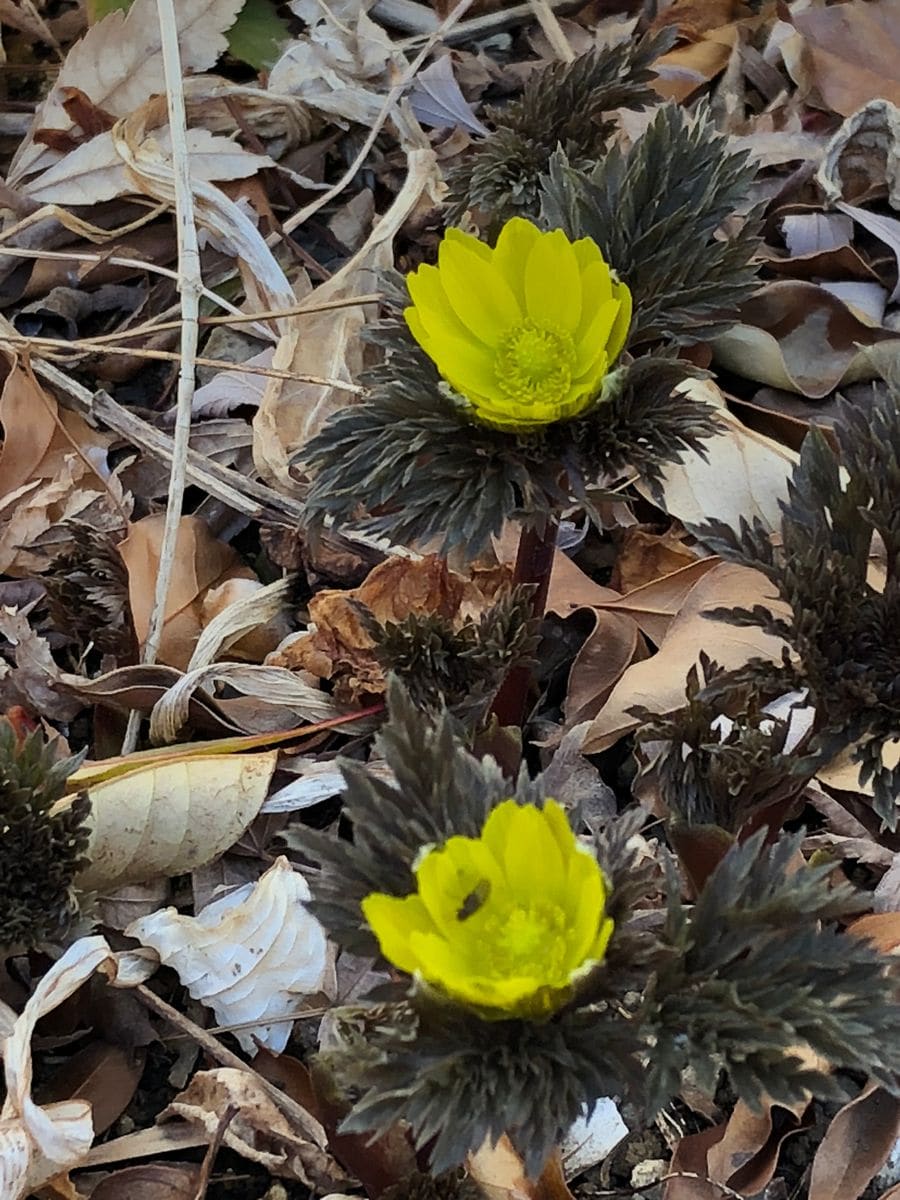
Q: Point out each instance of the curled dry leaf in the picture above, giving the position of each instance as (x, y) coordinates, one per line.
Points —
(856, 1145)
(251, 956)
(169, 819)
(271, 699)
(40, 1141)
(49, 468)
(202, 564)
(259, 1131)
(337, 647)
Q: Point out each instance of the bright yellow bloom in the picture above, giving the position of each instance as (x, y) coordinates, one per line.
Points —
(526, 331)
(507, 921)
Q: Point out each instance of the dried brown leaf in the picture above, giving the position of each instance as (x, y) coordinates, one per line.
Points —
(856, 1145)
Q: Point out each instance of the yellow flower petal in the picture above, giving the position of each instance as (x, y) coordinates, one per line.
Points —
(525, 331)
(466, 364)
(596, 337)
(553, 283)
(470, 242)
(516, 240)
(619, 332)
(525, 846)
(394, 920)
(597, 290)
(480, 297)
(432, 305)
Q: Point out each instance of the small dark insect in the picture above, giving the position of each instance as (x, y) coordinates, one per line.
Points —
(475, 899)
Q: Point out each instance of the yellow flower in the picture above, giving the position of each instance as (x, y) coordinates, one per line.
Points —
(508, 921)
(526, 331)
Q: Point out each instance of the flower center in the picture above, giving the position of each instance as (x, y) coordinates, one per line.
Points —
(525, 941)
(535, 363)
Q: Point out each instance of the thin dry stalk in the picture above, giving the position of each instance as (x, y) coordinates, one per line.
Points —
(190, 287)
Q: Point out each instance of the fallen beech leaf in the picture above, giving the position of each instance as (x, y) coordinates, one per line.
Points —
(613, 644)
(690, 1157)
(881, 928)
(104, 1074)
(169, 819)
(150, 1181)
(645, 556)
(658, 682)
(854, 50)
(48, 465)
(747, 1154)
(202, 563)
(499, 1172)
(259, 1130)
(251, 956)
(856, 1145)
(742, 474)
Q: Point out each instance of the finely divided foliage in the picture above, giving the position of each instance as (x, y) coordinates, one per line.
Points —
(751, 976)
(843, 626)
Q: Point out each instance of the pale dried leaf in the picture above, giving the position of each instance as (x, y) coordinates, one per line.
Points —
(328, 344)
(169, 819)
(118, 65)
(744, 474)
(259, 1130)
(251, 956)
(94, 171)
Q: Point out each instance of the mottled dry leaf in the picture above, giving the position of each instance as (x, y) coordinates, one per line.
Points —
(854, 52)
(259, 1130)
(253, 955)
(201, 564)
(169, 819)
(856, 1145)
(118, 65)
(658, 683)
(799, 337)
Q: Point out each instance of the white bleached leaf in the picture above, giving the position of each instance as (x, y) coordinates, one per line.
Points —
(95, 171)
(40, 1141)
(250, 956)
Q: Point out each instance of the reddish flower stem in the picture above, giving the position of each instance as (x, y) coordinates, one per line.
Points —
(534, 562)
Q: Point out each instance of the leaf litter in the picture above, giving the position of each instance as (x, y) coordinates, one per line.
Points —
(328, 147)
